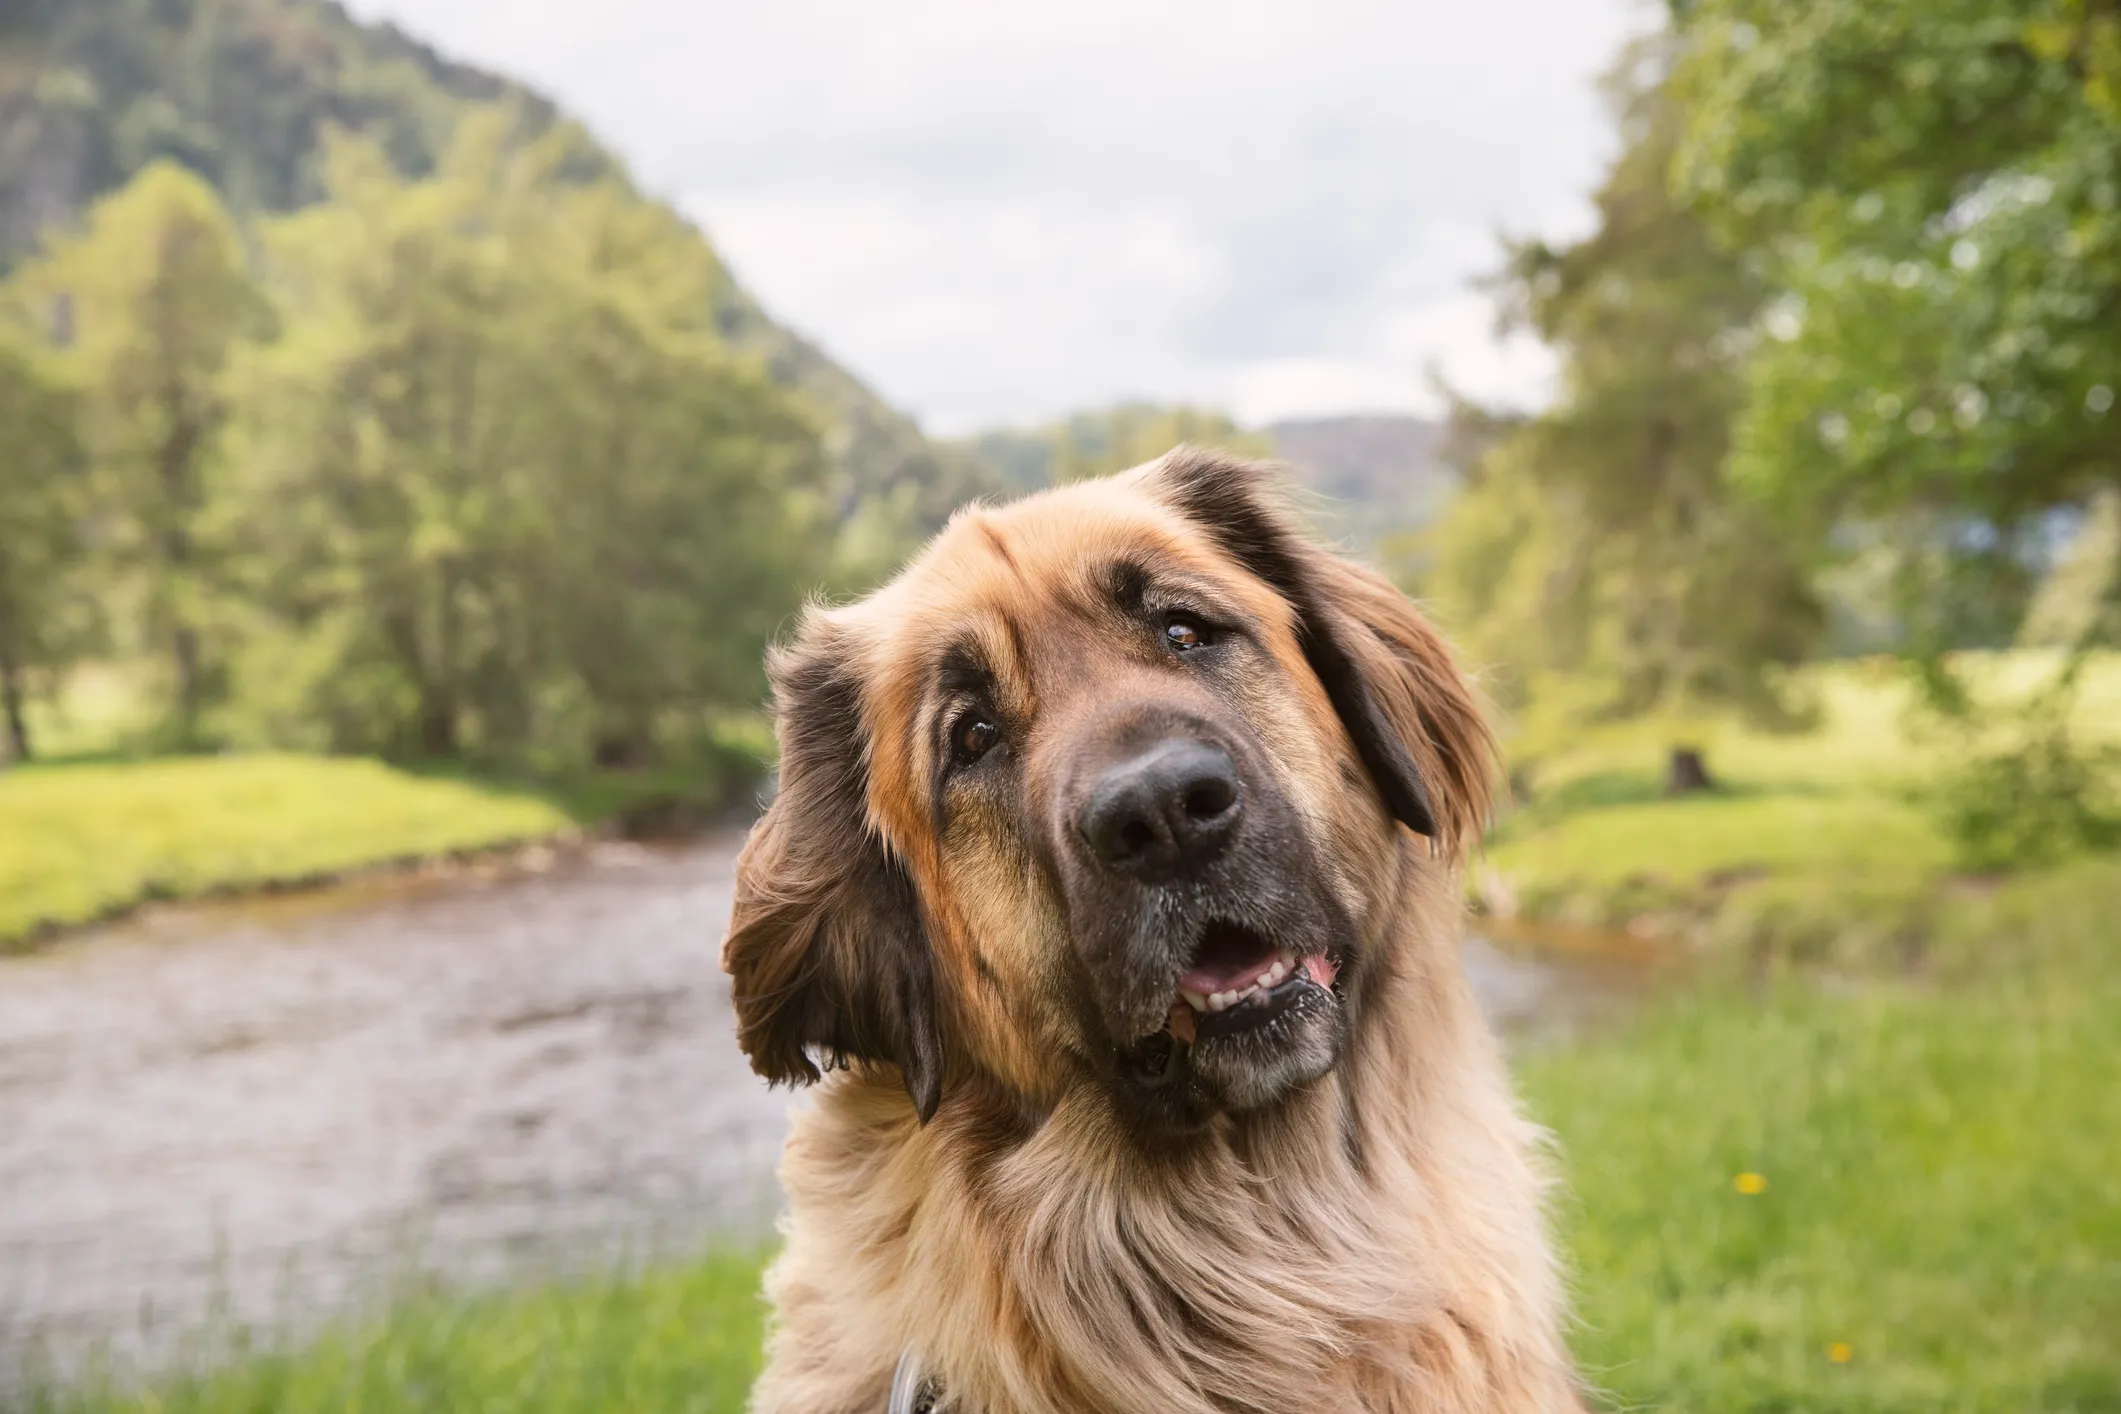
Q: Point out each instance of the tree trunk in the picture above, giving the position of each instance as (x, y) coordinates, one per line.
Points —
(439, 712)
(438, 726)
(11, 699)
(191, 688)
(1687, 772)
(174, 465)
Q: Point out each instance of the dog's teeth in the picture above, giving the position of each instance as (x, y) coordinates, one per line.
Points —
(1194, 999)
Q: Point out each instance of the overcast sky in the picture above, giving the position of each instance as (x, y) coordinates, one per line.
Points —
(1000, 213)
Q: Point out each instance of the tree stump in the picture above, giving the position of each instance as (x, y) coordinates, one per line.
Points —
(1687, 772)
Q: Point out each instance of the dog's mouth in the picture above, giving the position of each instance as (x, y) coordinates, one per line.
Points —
(1254, 1012)
(1239, 980)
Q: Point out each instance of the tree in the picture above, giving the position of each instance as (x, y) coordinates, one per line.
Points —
(1601, 541)
(157, 293)
(40, 521)
(1935, 187)
(513, 493)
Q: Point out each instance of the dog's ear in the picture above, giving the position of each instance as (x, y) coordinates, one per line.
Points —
(827, 951)
(1413, 717)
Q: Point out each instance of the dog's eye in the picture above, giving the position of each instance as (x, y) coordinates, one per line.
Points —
(973, 737)
(1184, 634)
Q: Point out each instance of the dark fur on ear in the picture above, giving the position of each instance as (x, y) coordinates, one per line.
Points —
(1408, 710)
(826, 946)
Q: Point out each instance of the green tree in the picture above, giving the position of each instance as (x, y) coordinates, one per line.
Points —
(1934, 186)
(1600, 544)
(512, 492)
(41, 505)
(155, 293)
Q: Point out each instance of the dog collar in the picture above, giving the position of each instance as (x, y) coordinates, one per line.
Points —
(910, 1392)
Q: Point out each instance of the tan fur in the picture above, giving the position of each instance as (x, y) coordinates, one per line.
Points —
(1374, 1242)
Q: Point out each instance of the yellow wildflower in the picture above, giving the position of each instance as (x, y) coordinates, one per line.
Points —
(1752, 1185)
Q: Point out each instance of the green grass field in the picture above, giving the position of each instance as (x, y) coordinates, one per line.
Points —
(1837, 809)
(94, 828)
(79, 841)
(1937, 1225)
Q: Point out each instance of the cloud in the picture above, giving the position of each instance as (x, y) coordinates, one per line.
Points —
(1005, 212)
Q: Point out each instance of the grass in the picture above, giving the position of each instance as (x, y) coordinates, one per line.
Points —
(1835, 808)
(83, 840)
(1940, 1223)
(683, 1340)
(94, 827)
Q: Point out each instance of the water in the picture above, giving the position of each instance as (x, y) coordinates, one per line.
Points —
(264, 1114)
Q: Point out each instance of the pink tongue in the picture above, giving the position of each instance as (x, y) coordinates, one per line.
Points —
(1209, 978)
(1322, 969)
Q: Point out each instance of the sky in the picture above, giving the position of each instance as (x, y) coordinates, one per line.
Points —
(998, 214)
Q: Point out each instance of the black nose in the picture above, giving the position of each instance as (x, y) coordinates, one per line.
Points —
(1166, 813)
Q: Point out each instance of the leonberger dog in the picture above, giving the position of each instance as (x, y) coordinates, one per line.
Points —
(1112, 893)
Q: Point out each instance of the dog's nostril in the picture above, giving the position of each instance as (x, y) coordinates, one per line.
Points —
(1211, 797)
(1136, 837)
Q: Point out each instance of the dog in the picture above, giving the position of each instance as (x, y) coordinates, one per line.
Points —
(1111, 892)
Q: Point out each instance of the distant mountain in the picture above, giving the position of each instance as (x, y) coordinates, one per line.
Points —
(1372, 476)
(242, 91)
(1375, 475)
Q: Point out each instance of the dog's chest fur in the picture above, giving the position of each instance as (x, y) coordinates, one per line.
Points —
(1374, 1246)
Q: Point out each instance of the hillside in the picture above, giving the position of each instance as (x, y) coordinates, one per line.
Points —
(242, 91)
(1376, 474)
(1372, 475)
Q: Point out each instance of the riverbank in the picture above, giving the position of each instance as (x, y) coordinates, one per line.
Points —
(1820, 845)
(83, 841)
(1794, 1189)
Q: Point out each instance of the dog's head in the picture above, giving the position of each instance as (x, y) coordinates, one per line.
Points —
(1109, 787)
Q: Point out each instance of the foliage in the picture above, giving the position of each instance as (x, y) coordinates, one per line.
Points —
(43, 623)
(1935, 191)
(506, 489)
(2080, 601)
(148, 301)
(2039, 792)
(457, 465)
(1600, 539)
(247, 93)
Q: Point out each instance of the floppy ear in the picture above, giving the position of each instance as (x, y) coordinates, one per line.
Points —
(1411, 714)
(826, 945)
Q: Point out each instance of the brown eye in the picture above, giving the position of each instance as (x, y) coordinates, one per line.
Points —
(1184, 634)
(973, 737)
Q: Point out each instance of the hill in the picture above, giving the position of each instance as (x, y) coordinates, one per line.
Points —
(243, 91)
(1376, 474)
(1372, 476)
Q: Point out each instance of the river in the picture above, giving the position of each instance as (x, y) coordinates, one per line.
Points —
(258, 1115)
